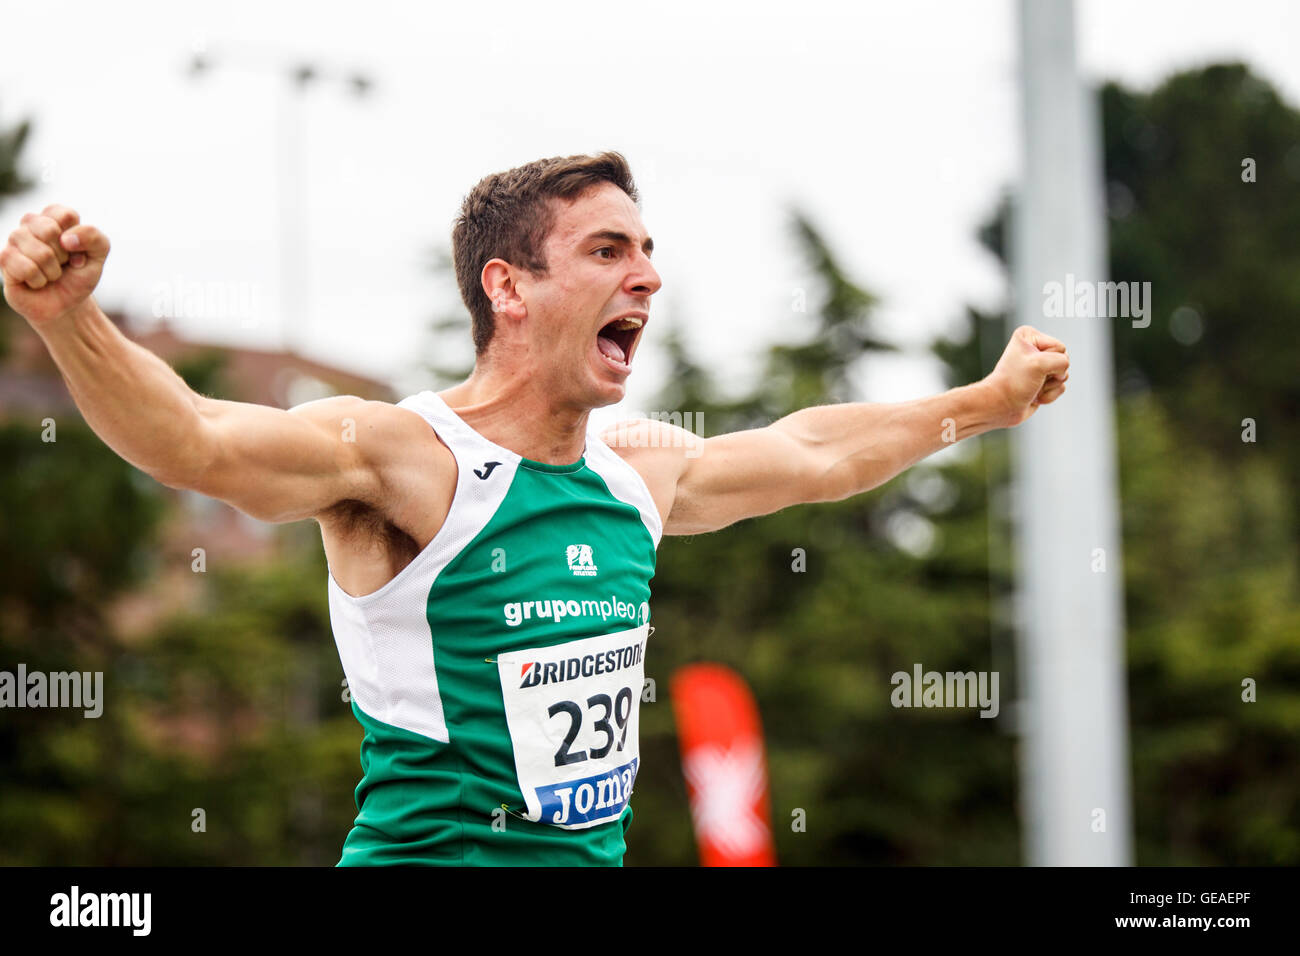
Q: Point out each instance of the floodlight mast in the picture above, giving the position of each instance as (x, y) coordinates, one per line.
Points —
(1073, 717)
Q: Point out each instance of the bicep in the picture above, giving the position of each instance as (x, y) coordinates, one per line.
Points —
(742, 475)
(278, 465)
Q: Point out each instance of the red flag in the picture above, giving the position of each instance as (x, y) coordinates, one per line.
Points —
(722, 757)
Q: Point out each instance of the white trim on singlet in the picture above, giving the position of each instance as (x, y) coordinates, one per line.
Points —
(623, 481)
(383, 637)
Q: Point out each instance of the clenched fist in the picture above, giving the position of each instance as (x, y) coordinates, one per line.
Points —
(51, 264)
(1031, 372)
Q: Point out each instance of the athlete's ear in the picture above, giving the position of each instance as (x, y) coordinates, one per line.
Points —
(499, 286)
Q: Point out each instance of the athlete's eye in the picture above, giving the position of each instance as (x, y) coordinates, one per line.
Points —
(609, 249)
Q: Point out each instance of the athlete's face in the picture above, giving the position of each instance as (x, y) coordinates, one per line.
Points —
(583, 316)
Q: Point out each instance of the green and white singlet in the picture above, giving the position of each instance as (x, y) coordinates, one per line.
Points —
(498, 676)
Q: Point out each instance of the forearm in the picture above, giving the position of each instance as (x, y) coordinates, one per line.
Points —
(132, 399)
(859, 446)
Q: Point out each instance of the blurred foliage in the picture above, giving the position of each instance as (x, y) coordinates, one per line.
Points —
(12, 183)
(12, 140)
(79, 527)
(204, 372)
(235, 705)
(451, 343)
(1209, 521)
(818, 646)
(76, 528)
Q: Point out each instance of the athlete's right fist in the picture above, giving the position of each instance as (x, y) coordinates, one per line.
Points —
(51, 263)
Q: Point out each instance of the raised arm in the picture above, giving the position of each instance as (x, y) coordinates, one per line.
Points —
(272, 464)
(831, 452)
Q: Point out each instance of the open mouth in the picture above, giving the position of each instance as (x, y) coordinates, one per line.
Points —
(617, 339)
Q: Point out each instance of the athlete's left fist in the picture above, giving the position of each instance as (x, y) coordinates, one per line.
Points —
(1031, 372)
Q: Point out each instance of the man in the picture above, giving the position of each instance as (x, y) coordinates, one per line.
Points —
(489, 556)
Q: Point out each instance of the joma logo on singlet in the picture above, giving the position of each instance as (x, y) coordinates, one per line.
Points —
(535, 674)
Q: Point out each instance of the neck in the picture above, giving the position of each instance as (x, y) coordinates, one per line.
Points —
(515, 412)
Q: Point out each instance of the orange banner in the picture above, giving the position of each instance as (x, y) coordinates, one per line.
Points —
(722, 758)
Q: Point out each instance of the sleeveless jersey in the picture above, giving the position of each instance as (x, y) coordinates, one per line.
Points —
(498, 676)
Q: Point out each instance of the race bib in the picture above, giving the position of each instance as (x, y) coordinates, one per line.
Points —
(572, 711)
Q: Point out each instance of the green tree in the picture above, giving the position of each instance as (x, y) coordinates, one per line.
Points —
(819, 646)
(12, 183)
(79, 529)
(452, 345)
(1209, 520)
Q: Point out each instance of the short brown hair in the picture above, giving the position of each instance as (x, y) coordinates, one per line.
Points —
(509, 215)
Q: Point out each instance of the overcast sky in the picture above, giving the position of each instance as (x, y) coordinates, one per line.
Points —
(893, 124)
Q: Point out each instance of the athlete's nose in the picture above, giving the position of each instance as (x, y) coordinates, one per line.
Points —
(643, 279)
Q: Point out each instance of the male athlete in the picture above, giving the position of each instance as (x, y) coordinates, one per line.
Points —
(489, 556)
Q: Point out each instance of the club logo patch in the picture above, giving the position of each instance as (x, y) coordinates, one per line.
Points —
(581, 563)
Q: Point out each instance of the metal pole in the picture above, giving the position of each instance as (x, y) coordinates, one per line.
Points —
(1069, 604)
(292, 211)
(293, 235)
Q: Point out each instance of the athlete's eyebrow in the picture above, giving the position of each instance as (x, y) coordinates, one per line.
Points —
(622, 238)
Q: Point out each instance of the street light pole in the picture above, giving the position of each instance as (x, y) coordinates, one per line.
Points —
(1073, 718)
(292, 235)
(295, 277)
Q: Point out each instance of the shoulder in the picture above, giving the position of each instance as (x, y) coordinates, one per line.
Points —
(650, 445)
(658, 451)
(415, 473)
(648, 437)
(373, 426)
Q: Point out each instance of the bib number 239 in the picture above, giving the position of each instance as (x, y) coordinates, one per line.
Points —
(572, 711)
